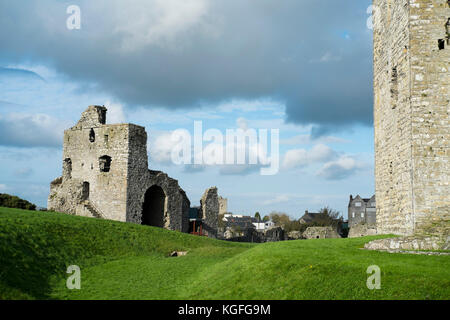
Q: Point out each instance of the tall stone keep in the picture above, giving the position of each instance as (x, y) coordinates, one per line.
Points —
(411, 115)
(105, 175)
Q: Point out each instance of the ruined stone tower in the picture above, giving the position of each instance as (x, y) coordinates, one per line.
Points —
(106, 175)
(411, 115)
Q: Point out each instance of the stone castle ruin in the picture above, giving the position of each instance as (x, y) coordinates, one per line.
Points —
(106, 175)
(411, 116)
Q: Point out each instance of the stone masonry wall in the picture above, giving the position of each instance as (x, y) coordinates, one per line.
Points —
(320, 233)
(107, 190)
(210, 212)
(430, 102)
(392, 114)
(411, 105)
(118, 193)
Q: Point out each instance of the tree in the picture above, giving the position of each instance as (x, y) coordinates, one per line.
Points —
(9, 201)
(330, 213)
(280, 219)
(330, 217)
(266, 219)
(258, 216)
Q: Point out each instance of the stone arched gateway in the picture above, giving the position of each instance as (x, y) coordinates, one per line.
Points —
(161, 202)
(154, 207)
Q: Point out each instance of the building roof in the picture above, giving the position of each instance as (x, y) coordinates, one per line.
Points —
(310, 216)
(368, 201)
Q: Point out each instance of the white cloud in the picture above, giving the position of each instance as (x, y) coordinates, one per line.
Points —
(251, 105)
(253, 154)
(31, 130)
(278, 199)
(115, 113)
(340, 169)
(160, 148)
(157, 22)
(3, 187)
(301, 157)
(327, 57)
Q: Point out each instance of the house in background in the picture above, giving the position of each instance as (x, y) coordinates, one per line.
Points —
(361, 211)
(269, 224)
(317, 219)
(309, 217)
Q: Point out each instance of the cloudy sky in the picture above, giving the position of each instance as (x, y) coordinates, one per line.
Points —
(301, 66)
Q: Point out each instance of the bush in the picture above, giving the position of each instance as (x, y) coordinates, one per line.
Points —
(10, 201)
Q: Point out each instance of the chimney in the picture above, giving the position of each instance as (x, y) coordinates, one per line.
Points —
(351, 198)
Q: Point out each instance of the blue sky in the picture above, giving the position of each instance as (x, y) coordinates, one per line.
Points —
(303, 67)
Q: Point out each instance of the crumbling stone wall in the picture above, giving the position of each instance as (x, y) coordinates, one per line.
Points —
(362, 230)
(84, 145)
(106, 175)
(410, 243)
(176, 208)
(274, 234)
(411, 106)
(320, 233)
(294, 235)
(209, 207)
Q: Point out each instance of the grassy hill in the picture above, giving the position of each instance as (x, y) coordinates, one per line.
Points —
(128, 261)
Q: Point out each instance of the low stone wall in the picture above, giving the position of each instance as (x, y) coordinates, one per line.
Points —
(294, 235)
(410, 243)
(362, 230)
(320, 233)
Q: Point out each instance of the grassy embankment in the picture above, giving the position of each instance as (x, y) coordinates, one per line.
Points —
(128, 261)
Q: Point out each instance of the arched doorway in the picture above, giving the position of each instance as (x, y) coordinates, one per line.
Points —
(153, 207)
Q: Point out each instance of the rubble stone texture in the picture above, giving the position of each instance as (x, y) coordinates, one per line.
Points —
(294, 235)
(106, 175)
(209, 208)
(274, 234)
(411, 116)
(320, 233)
(409, 243)
(362, 230)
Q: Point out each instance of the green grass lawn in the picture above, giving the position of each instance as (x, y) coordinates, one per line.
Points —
(128, 261)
